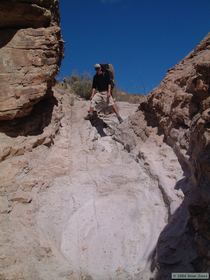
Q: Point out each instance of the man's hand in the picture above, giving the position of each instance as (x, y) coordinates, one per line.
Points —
(93, 93)
(108, 94)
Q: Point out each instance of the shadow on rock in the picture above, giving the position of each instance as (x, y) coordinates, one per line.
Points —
(6, 37)
(150, 116)
(33, 124)
(176, 249)
(99, 124)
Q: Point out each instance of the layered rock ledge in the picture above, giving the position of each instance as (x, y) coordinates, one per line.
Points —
(31, 49)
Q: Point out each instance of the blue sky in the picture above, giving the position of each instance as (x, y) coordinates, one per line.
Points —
(141, 38)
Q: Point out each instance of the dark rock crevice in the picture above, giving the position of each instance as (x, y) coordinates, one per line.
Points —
(33, 124)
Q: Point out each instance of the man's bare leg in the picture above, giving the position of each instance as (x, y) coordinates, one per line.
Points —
(91, 114)
(114, 108)
(91, 110)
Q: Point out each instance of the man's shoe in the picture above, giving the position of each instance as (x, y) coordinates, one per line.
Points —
(120, 119)
(88, 117)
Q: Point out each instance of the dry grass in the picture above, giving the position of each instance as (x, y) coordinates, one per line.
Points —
(80, 85)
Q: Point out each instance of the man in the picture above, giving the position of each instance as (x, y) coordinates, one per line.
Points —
(101, 93)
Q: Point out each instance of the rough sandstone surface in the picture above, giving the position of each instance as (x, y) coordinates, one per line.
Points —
(86, 208)
(81, 200)
(30, 54)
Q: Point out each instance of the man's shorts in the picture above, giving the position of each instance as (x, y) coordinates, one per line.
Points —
(100, 100)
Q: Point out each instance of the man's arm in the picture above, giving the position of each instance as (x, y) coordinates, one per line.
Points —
(93, 93)
(108, 80)
(109, 90)
(93, 88)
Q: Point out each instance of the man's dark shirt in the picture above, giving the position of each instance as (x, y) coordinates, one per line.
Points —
(101, 82)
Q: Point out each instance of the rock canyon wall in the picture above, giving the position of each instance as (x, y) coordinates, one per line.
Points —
(31, 49)
(179, 110)
(30, 53)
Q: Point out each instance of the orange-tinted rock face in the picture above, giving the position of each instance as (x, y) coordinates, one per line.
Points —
(180, 109)
(30, 53)
(182, 97)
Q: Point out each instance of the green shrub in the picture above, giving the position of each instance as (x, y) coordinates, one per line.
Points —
(130, 98)
(80, 84)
